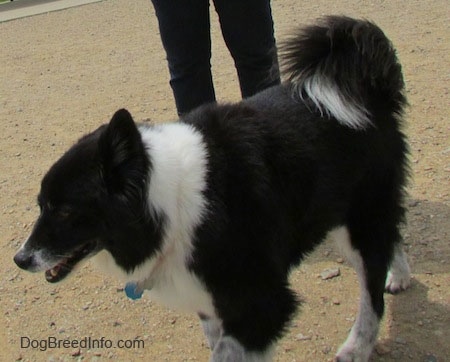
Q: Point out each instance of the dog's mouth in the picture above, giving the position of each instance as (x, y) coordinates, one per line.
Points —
(66, 265)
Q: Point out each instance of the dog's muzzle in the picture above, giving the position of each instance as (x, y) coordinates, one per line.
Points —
(25, 260)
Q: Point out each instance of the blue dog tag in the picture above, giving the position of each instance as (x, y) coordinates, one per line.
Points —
(133, 291)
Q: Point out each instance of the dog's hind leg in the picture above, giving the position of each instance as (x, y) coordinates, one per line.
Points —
(399, 275)
(371, 270)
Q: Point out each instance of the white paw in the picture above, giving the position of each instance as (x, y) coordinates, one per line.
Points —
(397, 282)
(344, 358)
(399, 275)
(357, 348)
(350, 355)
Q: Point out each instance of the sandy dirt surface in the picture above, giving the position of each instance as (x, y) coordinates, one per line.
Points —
(65, 73)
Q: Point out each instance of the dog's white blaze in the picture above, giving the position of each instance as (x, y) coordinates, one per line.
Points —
(362, 337)
(329, 99)
(177, 182)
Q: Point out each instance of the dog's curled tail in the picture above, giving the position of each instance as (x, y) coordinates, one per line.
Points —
(347, 68)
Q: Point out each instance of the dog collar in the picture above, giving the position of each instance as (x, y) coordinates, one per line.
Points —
(134, 290)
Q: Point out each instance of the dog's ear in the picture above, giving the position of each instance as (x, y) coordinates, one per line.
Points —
(122, 153)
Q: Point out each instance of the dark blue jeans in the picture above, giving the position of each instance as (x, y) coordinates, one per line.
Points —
(247, 28)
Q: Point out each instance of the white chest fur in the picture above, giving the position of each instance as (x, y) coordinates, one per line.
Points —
(177, 181)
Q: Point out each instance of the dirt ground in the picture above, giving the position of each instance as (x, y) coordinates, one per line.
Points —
(65, 73)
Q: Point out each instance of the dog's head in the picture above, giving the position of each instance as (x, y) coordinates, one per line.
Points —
(91, 199)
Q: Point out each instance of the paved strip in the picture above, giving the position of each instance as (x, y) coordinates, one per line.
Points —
(24, 8)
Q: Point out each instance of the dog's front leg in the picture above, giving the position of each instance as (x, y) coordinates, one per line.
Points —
(228, 349)
(212, 327)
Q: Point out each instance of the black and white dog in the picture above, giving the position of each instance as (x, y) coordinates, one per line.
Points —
(211, 213)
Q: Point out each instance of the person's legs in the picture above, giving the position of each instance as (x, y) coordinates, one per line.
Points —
(185, 34)
(247, 28)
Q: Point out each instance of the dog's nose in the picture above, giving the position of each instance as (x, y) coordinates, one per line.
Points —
(23, 260)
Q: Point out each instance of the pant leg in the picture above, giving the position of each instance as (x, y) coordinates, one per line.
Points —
(247, 28)
(185, 34)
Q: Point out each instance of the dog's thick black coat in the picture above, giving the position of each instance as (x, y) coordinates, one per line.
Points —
(284, 168)
(281, 176)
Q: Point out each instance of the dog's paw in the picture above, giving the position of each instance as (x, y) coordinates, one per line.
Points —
(396, 283)
(348, 357)
(351, 351)
(343, 359)
(399, 275)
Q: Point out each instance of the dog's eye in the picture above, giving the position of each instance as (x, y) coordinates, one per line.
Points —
(63, 212)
